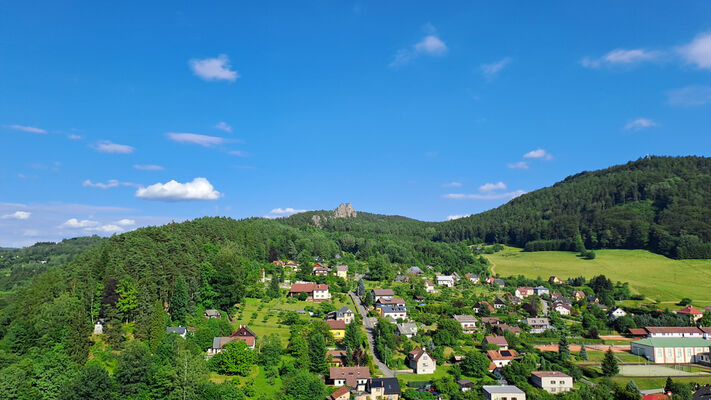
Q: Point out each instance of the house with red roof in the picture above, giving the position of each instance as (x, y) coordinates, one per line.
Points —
(314, 292)
(693, 313)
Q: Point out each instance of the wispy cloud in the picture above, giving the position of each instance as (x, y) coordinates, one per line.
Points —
(106, 146)
(620, 57)
(30, 129)
(282, 212)
(148, 167)
(518, 165)
(457, 216)
(197, 190)
(490, 187)
(214, 69)
(487, 196)
(237, 153)
(73, 137)
(490, 71)
(538, 154)
(431, 45)
(194, 138)
(639, 124)
(126, 222)
(698, 52)
(111, 183)
(17, 215)
(690, 96)
(452, 184)
(223, 126)
(74, 223)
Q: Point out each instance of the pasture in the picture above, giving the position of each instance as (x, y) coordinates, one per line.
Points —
(656, 277)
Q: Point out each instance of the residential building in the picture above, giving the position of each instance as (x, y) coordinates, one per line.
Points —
(465, 385)
(483, 304)
(292, 265)
(179, 330)
(552, 382)
(278, 263)
(578, 295)
(504, 327)
(468, 322)
(503, 392)
(704, 359)
(342, 393)
(561, 308)
(421, 362)
(402, 279)
(541, 290)
(429, 287)
(337, 328)
(320, 270)
(407, 329)
(242, 334)
(415, 270)
(212, 314)
(693, 313)
(342, 271)
(472, 278)
(496, 340)
(337, 357)
(704, 393)
(501, 358)
(616, 312)
(394, 302)
(555, 280)
(671, 350)
(378, 294)
(380, 389)
(499, 282)
(523, 292)
(445, 280)
(344, 314)
(538, 325)
(314, 292)
(393, 312)
(499, 303)
(513, 300)
(490, 320)
(354, 377)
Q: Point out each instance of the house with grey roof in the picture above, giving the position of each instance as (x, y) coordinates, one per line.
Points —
(407, 329)
(503, 392)
(179, 330)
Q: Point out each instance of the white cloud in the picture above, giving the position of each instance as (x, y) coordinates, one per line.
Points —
(198, 189)
(698, 52)
(431, 45)
(488, 196)
(211, 69)
(490, 187)
(223, 126)
(452, 184)
(148, 167)
(619, 57)
(283, 212)
(106, 146)
(109, 184)
(109, 228)
(194, 138)
(73, 137)
(74, 223)
(690, 96)
(490, 71)
(457, 216)
(518, 165)
(237, 153)
(639, 124)
(538, 153)
(126, 222)
(17, 215)
(30, 129)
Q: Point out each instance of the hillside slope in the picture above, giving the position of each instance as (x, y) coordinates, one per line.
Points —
(662, 204)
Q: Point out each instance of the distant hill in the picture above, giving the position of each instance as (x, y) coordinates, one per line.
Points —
(662, 204)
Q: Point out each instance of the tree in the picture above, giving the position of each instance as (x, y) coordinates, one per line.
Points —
(475, 364)
(77, 342)
(609, 364)
(132, 368)
(317, 353)
(127, 300)
(92, 383)
(179, 300)
(273, 290)
(448, 331)
(114, 328)
(563, 347)
(352, 339)
(632, 387)
(236, 358)
(360, 290)
(299, 349)
(189, 371)
(158, 318)
(270, 352)
(583, 353)
(301, 385)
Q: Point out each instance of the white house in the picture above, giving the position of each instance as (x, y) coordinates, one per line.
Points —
(429, 287)
(468, 322)
(616, 312)
(541, 290)
(562, 309)
(552, 382)
(394, 312)
(422, 362)
(445, 280)
(523, 292)
(503, 392)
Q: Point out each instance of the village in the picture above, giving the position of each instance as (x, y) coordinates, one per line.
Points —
(426, 334)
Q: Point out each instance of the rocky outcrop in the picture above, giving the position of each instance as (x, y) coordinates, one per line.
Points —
(316, 219)
(345, 210)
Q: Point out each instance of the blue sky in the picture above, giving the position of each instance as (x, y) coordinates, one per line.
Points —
(420, 109)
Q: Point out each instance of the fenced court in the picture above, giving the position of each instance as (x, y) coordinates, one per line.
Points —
(655, 370)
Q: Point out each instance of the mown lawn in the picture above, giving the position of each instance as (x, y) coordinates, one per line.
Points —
(655, 276)
(259, 381)
(658, 382)
(595, 356)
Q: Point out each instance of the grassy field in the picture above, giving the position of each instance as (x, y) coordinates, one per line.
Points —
(657, 277)
(658, 382)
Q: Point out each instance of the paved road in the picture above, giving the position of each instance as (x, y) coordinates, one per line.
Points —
(369, 324)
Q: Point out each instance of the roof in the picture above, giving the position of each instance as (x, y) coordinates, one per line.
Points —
(391, 385)
(537, 321)
(524, 289)
(212, 312)
(388, 310)
(673, 329)
(502, 389)
(383, 292)
(344, 310)
(674, 342)
(500, 340)
(307, 287)
(550, 374)
(445, 278)
(341, 268)
(180, 330)
(350, 374)
(416, 354)
(655, 397)
(465, 318)
(219, 341)
(394, 300)
(336, 324)
(340, 392)
(465, 383)
(490, 320)
(638, 331)
(689, 310)
(415, 269)
(703, 393)
(501, 354)
(407, 328)
(336, 353)
(540, 288)
(243, 331)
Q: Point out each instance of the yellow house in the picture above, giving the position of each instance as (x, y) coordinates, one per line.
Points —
(338, 329)
(342, 271)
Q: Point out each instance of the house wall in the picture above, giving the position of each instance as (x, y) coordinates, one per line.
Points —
(553, 385)
(321, 295)
(668, 355)
(505, 396)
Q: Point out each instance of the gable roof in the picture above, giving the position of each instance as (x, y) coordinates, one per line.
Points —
(383, 292)
(415, 355)
(336, 324)
(344, 310)
(180, 330)
(467, 319)
(501, 354)
(307, 287)
(498, 340)
(673, 329)
(340, 392)
(689, 310)
(350, 374)
(407, 328)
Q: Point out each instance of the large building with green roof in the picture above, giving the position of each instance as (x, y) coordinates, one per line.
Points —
(683, 350)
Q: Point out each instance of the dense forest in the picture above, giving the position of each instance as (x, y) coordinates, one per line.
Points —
(662, 204)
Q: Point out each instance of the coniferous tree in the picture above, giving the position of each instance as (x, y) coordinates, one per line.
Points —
(77, 342)
(352, 339)
(92, 383)
(144, 308)
(563, 347)
(609, 364)
(179, 300)
(157, 325)
(583, 353)
(317, 353)
(114, 328)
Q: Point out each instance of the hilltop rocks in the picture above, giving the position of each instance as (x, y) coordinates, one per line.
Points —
(345, 210)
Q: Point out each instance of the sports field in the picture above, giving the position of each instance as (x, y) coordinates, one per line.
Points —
(657, 277)
(652, 370)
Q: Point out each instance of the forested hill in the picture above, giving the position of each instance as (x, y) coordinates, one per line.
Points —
(662, 204)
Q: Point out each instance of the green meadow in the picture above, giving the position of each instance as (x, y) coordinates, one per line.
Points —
(657, 277)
